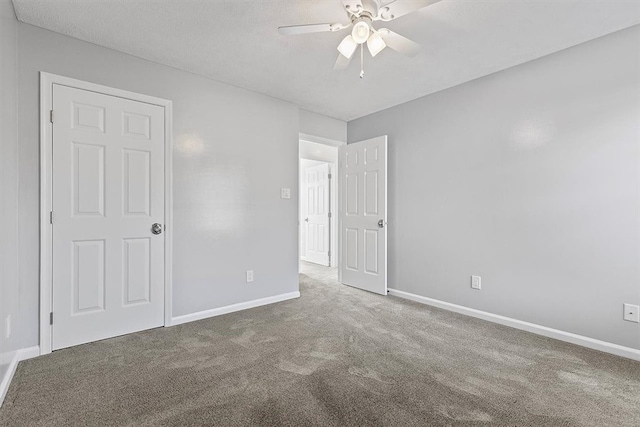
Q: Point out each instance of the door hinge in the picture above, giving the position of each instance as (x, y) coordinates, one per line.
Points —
(51, 318)
(51, 217)
(51, 116)
(330, 176)
(329, 254)
(329, 214)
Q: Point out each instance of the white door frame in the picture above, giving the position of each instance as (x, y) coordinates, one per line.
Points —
(47, 81)
(334, 260)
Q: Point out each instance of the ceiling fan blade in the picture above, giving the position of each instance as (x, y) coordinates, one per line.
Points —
(354, 7)
(342, 62)
(399, 43)
(399, 8)
(310, 28)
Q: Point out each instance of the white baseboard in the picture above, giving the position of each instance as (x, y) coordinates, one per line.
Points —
(592, 343)
(18, 356)
(178, 320)
(28, 353)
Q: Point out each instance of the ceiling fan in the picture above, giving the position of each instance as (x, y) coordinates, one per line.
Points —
(362, 14)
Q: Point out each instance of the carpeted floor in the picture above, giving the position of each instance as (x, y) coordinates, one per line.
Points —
(336, 356)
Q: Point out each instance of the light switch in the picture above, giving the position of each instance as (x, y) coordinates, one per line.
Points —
(285, 193)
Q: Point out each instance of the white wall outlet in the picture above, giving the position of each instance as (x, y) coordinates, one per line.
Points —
(476, 282)
(285, 193)
(7, 333)
(249, 276)
(632, 313)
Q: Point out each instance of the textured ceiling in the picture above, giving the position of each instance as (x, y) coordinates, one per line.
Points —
(236, 42)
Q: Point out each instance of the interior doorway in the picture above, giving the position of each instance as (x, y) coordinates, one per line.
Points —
(318, 202)
(343, 211)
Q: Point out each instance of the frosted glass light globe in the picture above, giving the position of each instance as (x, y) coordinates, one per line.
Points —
(360, 32)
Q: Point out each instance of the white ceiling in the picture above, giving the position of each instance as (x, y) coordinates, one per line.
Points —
(236, 42)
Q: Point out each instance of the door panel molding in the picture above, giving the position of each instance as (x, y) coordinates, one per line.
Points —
(362, 208)
(93, 122)
(318, 220)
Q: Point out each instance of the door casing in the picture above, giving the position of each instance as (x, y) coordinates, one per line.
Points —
(335, 187)
(47, 81)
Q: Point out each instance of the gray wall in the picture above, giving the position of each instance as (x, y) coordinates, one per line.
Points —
(529, 178)
(325, 127)
(234, 150)
(8, 183)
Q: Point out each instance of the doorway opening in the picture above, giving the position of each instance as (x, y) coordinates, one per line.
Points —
(343, 210)
(318, 205)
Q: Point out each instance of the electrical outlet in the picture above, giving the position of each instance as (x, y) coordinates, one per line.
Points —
(7, 333)
(249, 276)
(285, 193)
(631, 313)
(476, 282)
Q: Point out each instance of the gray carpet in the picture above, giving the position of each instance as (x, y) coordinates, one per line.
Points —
(336, 356)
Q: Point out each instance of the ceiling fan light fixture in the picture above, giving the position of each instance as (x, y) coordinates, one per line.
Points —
(375, 44)
(362, 14)
(347, 46)
(361, 31)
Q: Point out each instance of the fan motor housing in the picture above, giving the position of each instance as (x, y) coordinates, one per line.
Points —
(370, 6)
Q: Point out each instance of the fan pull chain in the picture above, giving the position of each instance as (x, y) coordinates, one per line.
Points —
(362, 61)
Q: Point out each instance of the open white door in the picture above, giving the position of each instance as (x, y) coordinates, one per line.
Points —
(108, 216)
(317, 221)
(363, 214)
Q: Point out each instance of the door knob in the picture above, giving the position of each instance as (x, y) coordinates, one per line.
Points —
(381, 223)
(156, 228)
(306, 219)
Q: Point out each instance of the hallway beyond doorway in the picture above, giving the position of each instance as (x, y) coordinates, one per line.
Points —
(328, 275)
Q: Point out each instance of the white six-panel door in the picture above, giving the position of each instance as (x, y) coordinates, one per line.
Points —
(363, 214)
(107, 192)
(317, 220)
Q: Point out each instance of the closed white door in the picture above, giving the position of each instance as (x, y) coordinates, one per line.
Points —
(108, 192)
(318, 214)
(363, 214)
